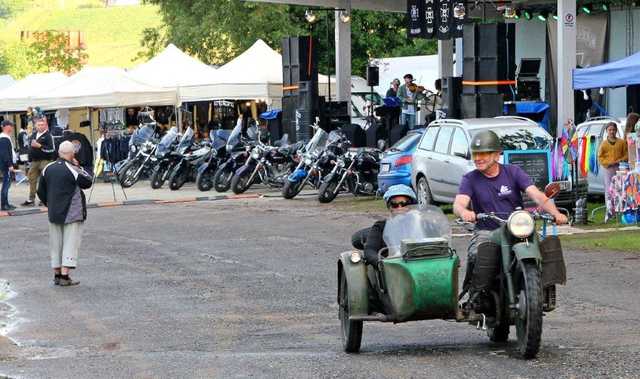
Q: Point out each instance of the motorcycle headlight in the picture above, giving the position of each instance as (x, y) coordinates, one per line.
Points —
(521, 224)
(255, 154)
(356, 257)
(308, 161)
(133, 148)
(340, 163)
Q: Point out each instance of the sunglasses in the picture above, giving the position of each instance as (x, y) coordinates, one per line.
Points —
(398, 204)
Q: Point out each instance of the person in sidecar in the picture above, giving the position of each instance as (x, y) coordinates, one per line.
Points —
(493, 187)
(397, 198)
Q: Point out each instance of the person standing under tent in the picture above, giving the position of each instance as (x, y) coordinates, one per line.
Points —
(41, 153)
(612, 151)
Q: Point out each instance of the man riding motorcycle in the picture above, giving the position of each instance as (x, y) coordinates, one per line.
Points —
(493, 187)
(397, 198)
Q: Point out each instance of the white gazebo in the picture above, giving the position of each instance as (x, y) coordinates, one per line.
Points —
(19, 96)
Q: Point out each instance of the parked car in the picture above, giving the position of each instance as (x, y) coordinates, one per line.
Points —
(395, 166)
(596, 127)
(443, 156)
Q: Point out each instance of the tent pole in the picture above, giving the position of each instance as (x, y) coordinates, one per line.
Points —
(179, 118)
(90, 113)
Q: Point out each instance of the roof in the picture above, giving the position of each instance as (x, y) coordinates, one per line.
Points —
(103, 87)
(484, 123)
(623, 72)
(19, 96)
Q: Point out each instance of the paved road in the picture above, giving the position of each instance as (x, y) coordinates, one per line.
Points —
(247, 289)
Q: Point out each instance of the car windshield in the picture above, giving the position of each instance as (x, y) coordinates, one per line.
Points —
(406, 143)
(522, 138)
(415, 225)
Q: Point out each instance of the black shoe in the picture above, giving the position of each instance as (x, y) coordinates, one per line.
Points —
(56, 280)
(8, 208)
(28, 203)
(66, 282)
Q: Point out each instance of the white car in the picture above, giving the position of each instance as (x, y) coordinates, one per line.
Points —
(443, 155)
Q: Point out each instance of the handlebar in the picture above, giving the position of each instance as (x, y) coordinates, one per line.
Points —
(537, 215)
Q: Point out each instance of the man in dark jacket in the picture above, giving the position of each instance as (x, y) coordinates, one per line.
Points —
(60, 189)
(7, 163)
(41, 153)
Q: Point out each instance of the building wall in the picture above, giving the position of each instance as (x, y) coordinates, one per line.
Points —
(617, 98)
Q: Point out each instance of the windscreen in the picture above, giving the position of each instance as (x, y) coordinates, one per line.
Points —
(415, 225)
(522, 138)
(318, 142)
(167, 140)
(142, 135)
(186, 140)
(406, 143)
(234, 137)
(218, 138)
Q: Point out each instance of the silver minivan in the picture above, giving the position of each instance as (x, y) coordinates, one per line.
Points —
(595, 127)
(443, 157)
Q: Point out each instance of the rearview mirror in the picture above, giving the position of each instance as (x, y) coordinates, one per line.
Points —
(461, 155)
(552, 189)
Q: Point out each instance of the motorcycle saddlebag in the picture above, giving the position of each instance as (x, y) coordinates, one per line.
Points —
(422, 288)
(554, 270)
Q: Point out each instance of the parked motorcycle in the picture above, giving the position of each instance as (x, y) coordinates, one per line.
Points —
(269, 165)
(308, 169)
(355, 172)
(217, 155)
(517, 273)
(142, 148)
(166, 158)
(238, 149)
(192, 156)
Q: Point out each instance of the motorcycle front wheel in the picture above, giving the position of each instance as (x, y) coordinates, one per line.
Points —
(222, 178)
(240, 182)
(328, 189)
(204, 180)
(158, 176)
(178, 178)
(529, 318)
(351, 331)
(290, 189)
(127, 175)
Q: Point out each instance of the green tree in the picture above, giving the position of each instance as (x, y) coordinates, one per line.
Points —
(50, 51)
(217, 31)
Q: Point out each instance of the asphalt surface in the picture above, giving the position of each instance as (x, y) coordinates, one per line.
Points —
(247, 288)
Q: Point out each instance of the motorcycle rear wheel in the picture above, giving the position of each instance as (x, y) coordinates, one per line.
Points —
(177, 179)
(158, 177)
(351, 331)
(204, 180)
(127, 175)
(529, 320)
(222, 179)
(290, 189)
(240, 182)
(327, 191)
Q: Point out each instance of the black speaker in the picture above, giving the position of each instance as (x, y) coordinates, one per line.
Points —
(451, 92)
(469, 105)
(489, 55)
(299, 62)
(289, 104)
(373, 76)
(482, 105)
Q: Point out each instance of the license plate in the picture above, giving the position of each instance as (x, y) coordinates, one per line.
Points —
(385, 167)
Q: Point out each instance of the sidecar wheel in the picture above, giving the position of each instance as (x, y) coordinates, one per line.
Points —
(351, 330)
(529, 319)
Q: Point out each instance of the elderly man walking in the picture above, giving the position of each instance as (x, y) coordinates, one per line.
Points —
(60, 189)
(41, 153)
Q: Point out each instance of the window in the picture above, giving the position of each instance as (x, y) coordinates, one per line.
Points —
(429, 138)
(459, 144)
(442, 144)
(406, 143)
(522, 138)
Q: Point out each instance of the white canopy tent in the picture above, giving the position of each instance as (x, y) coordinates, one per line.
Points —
(254, 74)
(104, 87)
(19, 96)
(172, 68)
(6, 81)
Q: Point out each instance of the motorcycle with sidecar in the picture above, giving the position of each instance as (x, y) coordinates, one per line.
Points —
(416, 278)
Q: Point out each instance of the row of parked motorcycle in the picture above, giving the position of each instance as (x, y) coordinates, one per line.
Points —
(237, 160)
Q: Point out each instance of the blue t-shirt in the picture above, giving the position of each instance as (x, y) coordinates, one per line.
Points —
(501, 194)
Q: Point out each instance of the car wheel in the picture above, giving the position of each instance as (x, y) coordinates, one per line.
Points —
(424, 192)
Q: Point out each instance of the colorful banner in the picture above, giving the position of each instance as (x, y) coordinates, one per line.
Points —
(443, 21)
(459, 18)
(430, 13)
(415, 17)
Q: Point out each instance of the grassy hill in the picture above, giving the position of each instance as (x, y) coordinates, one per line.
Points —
(112, 34)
